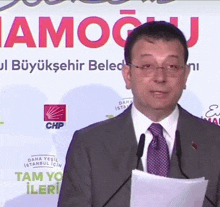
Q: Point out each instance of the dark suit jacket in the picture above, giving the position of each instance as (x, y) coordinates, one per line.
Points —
(102, 156)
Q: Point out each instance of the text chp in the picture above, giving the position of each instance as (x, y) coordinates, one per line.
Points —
(69, 65)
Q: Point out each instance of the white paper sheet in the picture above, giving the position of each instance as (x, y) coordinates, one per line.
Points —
(152, 190)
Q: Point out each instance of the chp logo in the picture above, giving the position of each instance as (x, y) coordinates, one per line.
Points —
(213, 114)
(55, 116)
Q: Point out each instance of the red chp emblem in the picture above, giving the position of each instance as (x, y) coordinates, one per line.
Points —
(55, 113)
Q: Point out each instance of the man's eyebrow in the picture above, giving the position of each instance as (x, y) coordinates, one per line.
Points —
(146, 54)
(150, 55)
(175, 56)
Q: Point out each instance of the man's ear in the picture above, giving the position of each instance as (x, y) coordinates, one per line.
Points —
(126, 72)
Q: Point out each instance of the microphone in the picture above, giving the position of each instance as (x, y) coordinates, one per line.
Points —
(179, 156)
(179, 153)
(140, 149)
(139, 154)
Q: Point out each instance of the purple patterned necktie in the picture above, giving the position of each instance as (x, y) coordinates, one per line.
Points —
(158, 160)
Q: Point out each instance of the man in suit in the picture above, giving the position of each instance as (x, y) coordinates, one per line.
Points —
(102, 156)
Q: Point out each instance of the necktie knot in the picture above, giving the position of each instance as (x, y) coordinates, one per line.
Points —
(156, 129)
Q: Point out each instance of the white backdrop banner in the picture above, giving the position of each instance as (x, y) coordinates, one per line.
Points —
(60, 70)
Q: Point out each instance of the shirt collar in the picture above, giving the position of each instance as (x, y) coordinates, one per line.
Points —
(142, 123)
(170, 123)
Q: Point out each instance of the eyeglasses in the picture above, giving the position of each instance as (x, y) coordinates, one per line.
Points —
(172, 70)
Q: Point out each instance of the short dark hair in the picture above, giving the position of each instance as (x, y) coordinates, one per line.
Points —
(155, 30)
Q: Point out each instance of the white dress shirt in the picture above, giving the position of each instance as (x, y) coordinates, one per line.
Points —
(142, 123)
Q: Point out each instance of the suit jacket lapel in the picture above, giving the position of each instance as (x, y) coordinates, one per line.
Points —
(125, 146)
(190, 156)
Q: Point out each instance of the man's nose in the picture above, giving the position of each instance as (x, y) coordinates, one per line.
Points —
(160, 75)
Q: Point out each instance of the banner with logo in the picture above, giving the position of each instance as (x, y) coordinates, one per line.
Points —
(60, 70)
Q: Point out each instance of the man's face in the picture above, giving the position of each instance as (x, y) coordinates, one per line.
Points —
(157, 90)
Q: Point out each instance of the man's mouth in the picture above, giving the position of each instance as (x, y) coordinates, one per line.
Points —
(159, 94)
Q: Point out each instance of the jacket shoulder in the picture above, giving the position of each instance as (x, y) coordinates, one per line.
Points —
(192, 120)
(198, 128)
(114, 124)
